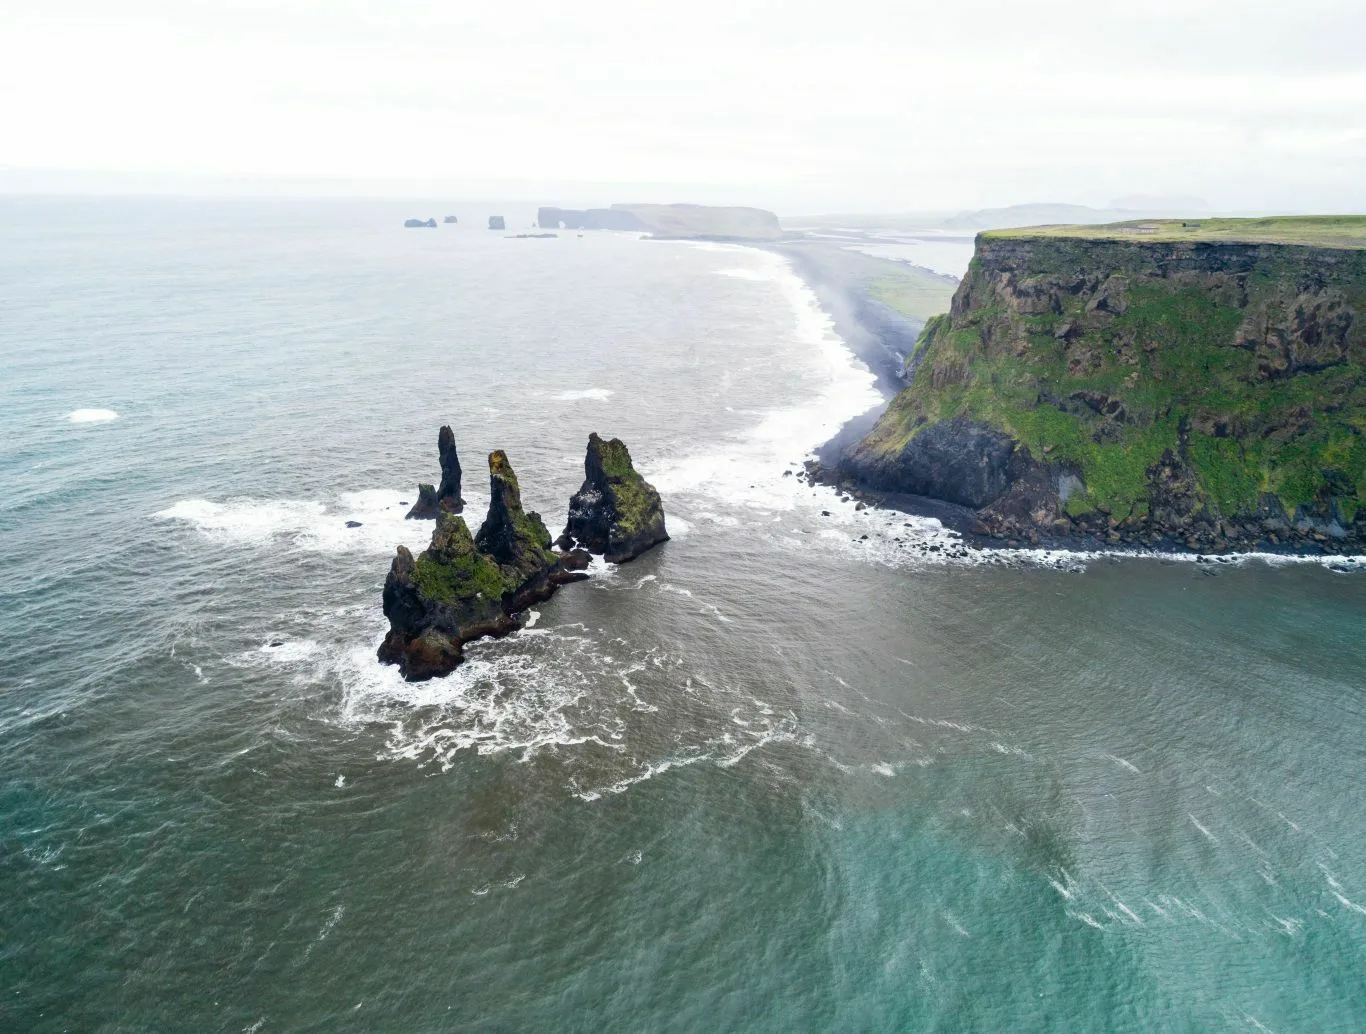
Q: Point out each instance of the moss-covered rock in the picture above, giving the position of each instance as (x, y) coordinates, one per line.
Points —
(1212, 391)
(616, 512)
(464, 587)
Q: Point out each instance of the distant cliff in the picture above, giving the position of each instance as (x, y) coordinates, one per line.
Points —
(1198, 383)
(677, 221)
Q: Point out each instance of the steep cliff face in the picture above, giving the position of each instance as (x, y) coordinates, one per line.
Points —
(1210, 391)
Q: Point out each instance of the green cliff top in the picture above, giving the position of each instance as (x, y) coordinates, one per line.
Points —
(1324, 231)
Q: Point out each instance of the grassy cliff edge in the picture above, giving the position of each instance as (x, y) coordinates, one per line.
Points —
(1225, 361)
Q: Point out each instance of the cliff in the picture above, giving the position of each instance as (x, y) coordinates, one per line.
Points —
(1202, 383)
(674, 221)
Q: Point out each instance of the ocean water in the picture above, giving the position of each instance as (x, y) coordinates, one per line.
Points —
(787, 772)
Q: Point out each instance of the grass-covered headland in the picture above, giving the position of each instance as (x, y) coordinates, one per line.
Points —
(1146, 380)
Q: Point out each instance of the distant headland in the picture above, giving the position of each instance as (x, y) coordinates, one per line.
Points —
(669, 221)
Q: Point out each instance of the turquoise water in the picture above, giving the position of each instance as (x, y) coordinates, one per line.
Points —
(772, 776)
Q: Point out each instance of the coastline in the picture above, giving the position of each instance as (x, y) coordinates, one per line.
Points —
(881, 338)
(878, 335)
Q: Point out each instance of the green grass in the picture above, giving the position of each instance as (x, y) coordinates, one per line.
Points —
(913, 294)
(455, 571)
(1171, 356)
(1328, 231)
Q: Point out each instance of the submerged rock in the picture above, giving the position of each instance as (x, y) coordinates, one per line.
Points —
(432, 501)
(616, 512)
(464, 587)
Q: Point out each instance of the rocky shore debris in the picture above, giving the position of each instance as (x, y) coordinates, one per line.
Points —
(433, 501)
(616, 512)
(463, 587)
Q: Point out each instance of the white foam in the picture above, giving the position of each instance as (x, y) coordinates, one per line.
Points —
(748, 469)
(310, 525)
(747, 274)
(91, 416)
(586, 395)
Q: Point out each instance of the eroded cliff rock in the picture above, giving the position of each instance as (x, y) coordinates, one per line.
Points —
(432, 500)
(1209, 393)
(616, 512)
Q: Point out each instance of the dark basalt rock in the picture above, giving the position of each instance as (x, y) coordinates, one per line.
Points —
(413, 224)
(445, 499)
(353, 524)
(464, 587)
(616, 512)
(426, 508)
(961, 461)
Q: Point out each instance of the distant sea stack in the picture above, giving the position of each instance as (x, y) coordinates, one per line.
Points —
(1198, 384)
(462, 588)
(496, 222)
(617, 512)
(433, 501)
(671, 221)
(450, 219)
(413, 224)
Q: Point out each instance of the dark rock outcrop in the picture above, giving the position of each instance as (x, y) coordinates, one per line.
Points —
(961, 461)
(450, 219)
(446, 499)
(497, 222)
(464, 587)
(413, 224)
(616, 512)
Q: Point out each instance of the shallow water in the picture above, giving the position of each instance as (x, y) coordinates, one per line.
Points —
(770, 776)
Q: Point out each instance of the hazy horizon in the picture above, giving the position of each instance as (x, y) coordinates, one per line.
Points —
(885, 108)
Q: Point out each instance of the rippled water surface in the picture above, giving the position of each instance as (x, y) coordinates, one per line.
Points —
(773, 776)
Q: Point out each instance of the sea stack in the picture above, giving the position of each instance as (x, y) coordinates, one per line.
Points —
(432, 501)
(496, 222)
(462, 588)
(617, 512)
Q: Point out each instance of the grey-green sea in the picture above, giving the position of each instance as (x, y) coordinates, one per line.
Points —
(789, 771)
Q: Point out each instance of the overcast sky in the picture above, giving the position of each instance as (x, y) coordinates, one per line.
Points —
(855, 105)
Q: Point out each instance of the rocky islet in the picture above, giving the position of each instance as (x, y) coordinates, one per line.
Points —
(464, 587)
(434, 500)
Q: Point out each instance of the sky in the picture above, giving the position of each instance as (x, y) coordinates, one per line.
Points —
(856, 105)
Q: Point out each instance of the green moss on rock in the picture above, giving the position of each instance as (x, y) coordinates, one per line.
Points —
(1100, 354)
